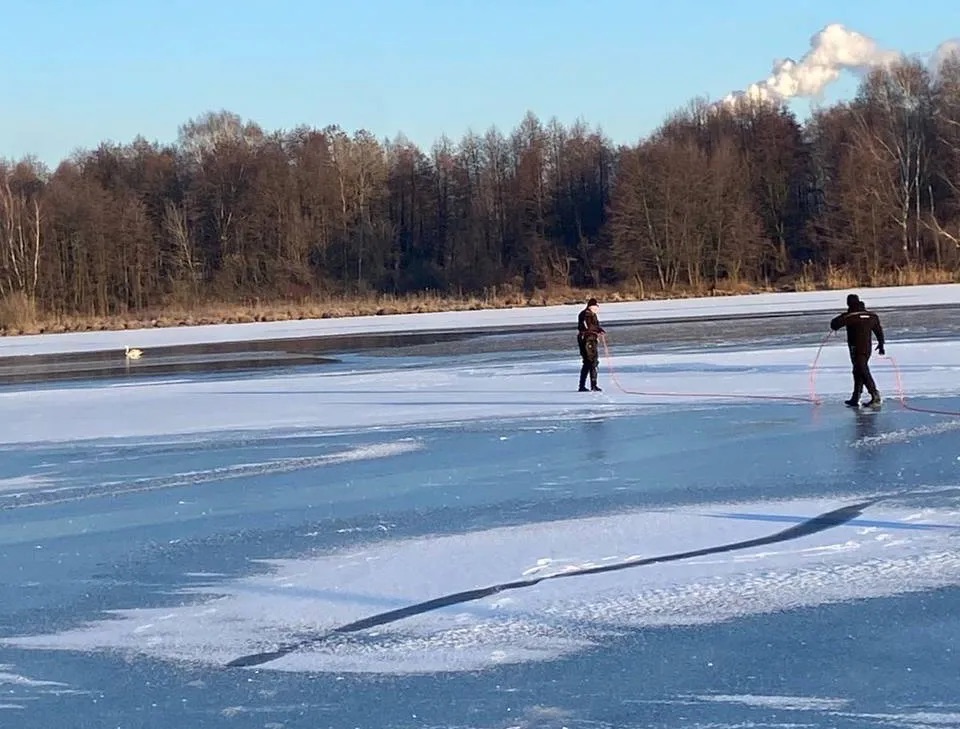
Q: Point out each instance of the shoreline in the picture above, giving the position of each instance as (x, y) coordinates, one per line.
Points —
(213, 313)
(507, 319)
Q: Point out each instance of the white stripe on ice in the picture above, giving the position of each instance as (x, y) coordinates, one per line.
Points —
(792, 703)
(19, 484)
(705, 307)
(313, 595)
(12, 679)
(906, 434)
(50, 492)
(908, 719)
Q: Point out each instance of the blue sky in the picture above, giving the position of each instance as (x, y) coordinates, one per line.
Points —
(75, 73)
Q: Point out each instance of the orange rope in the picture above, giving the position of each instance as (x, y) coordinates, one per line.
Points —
(812, 399)
(903, 398)
(813, 369)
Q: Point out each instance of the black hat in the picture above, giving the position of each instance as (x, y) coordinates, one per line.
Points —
(592, 302)
(852, 300)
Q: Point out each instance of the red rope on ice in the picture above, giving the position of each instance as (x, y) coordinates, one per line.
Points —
(812, 398)
(903, 398)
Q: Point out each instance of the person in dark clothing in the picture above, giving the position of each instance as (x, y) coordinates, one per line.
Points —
(862, 325)
(588, 335)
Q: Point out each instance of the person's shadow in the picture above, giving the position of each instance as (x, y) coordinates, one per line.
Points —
(868, 454)
(866, 424)
(596, 442)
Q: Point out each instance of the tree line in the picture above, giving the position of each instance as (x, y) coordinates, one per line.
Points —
(719, 195)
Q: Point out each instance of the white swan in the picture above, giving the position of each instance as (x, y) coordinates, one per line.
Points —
(133, 353)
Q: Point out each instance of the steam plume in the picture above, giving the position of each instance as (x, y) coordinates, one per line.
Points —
(833, 50)
(945, 50)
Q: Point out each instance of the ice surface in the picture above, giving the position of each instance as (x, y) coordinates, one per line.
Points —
(449, 394)
(28, 491)
(452, 394)
(546, 621)
(207, 585)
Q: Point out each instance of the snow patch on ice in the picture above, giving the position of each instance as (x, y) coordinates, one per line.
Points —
(904, 435)
(313, 595)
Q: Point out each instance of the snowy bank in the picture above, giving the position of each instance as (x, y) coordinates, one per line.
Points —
(505, 319)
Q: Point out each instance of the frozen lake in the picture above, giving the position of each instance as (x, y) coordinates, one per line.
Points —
(157, 523)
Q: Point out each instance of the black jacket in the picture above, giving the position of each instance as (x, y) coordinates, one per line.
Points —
(860, 326)
(588, 324)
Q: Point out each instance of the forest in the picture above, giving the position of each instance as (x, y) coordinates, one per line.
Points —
(722, 197)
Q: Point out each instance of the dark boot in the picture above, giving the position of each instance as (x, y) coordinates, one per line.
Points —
(854, 400)
(875, 400)
(593, 379)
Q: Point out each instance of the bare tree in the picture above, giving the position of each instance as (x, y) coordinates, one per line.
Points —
(737, 194)
(657, 214)
(176, 225)
(201, 136)
(20, 230)
(943, 219)
(892, 116)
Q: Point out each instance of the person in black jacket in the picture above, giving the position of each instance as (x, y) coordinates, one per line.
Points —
(588, 335)
(861, 326)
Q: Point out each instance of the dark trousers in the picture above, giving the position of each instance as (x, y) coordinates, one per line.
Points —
(861, 374)
(591, 358)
